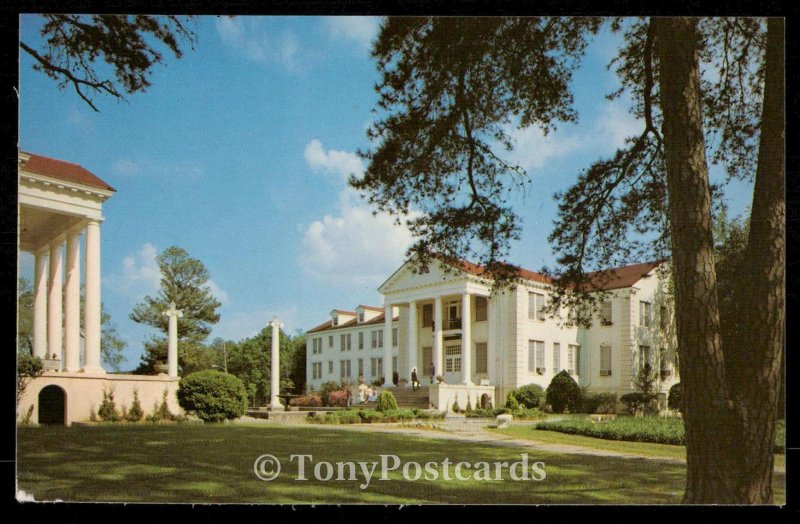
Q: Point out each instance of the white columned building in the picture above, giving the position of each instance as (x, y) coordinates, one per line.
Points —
(60, 205)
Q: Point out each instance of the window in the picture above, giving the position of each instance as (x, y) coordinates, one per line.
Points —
(481, 358)
(316, 346)
(361, 340)
(394, 364)
(330, 341)
(663, 318)
(361, 367)
(349, 340)
(427, 315)
(605, 361)
(645, 357)
(452, 358)
(375, 339)
(664, 364)
(556, 357)
(335, 320)
(360, 317)
(394, 338)
(644, 314)
(573, 359)
(316, 370)
(535, 306)
(536, 357)
(342, 342)
(380, 338)
(605, 314)
(453, 309)
(481, 309)
(376, 367)
(330, 367)
(344, 369)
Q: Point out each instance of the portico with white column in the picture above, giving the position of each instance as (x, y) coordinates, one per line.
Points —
(58, 204)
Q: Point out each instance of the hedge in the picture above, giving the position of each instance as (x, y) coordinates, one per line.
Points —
(658, 430)
(213, 395)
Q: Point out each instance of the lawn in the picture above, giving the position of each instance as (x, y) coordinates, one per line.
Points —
(214, 463)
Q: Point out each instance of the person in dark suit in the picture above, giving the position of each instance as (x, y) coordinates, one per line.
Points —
(414, 380)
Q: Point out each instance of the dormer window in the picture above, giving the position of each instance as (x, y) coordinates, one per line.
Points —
(361, 316)
(335, 320)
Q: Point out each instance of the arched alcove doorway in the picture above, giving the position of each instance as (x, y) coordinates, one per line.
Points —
(52, 406)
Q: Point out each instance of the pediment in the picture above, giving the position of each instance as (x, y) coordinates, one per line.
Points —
(407, 278)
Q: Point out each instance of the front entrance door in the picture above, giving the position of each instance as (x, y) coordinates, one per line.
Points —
(452, 362)
(51, 406)
(427, 365)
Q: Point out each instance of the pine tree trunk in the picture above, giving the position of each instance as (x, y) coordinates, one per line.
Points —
(708, 415)
(760, 352)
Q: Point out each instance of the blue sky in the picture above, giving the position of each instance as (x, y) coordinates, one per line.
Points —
(239, 152)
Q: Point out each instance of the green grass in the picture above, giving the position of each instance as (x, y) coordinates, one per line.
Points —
(214, 463)
(645, 449)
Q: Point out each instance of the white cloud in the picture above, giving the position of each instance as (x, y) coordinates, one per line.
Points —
(259, 43)
(353, 245)
(140, 273)
(613, 126)
(361, 29)
(533, 149)
(217, 291)
(341, 163)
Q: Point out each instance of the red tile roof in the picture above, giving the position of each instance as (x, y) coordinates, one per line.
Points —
(603, 280)
(373, 308)
(326, 326)
(619, 277)
(63, 170)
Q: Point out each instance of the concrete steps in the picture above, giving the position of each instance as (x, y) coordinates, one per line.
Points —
(408, 398)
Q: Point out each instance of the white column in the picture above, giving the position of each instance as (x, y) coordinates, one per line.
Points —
(55, 301)
(275, 364)
(72, 304)
(387, 346)
(173, 314)
(40, 305)
(91, 314)
(438, 339)
(466, 340)
(411, 345)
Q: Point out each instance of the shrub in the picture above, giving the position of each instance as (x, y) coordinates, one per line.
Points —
(386, 401)
(530, 396)
(602, 403)
(108, 409)
(378, 382)
(638, 402)
(660, 430)
(511, 402)
(337, 398)
(563, 393)
(311, 399)
(468, 409)
(136, 413)
(213, 395)
(456, 407)
(326, 388)
(675, 397)
(395, 378)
